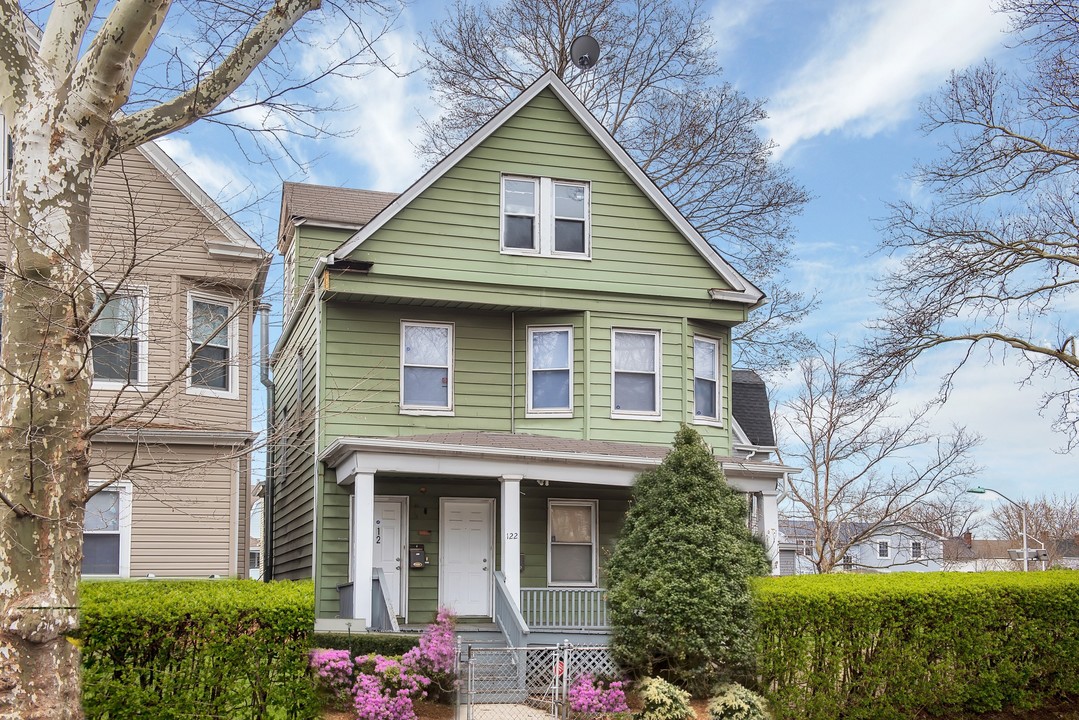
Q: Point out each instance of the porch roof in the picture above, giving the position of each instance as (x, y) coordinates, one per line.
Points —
(540, 457)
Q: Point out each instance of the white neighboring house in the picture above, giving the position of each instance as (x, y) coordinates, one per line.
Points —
(895, 547)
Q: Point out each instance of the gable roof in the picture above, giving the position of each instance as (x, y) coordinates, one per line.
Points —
(305, 203)
(743, 291)
(749, 404)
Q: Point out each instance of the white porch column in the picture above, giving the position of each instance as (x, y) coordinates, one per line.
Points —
(363, 544)
(769, 528)
(511, 534)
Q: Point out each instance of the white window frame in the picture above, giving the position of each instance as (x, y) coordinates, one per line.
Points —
(917, 550)
(289, 271)
(142, 327)
(716, 420)
(884, 549)
(657, 414)
(124, 489)
(233, 392)
(451, 357)
(545, 218)
(594, 507)
(566, 412)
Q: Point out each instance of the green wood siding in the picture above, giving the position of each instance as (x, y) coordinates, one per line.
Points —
(423, 527)
(452, 228)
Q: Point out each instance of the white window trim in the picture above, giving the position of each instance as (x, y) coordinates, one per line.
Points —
(716, 421)
(921, 550)
(124, 489)
(545, 218)
(451, 356)
(886, 547)
(656, 415)
(531, 412)
(594, 505)
(142, 326)
(233, 393)
(289, 272)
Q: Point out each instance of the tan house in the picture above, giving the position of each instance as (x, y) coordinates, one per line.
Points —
(178, 284)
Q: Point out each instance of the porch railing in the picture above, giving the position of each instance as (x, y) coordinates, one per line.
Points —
(507, 616)
(565, 608)
(383, 617)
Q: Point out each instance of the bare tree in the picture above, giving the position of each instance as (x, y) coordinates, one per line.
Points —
(865, 465)
(75, 95)
(993, 258)
(657, 89)
(1052, 524)
(949, 513)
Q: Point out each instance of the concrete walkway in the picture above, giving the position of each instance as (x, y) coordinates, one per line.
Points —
(504, 712)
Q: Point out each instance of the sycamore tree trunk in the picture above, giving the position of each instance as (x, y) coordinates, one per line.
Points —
(44, 411)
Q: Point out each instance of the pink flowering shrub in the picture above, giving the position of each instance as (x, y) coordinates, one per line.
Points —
(587, 695)
(384, 688)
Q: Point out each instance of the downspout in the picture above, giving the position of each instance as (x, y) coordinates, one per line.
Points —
(513, 372)
(268, 485)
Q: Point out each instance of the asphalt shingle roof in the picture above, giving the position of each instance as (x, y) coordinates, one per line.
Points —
(333, 204)
(749, 403)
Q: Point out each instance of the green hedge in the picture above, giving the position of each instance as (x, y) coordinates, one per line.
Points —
(197, 649)
(892, 646)
(388, 644)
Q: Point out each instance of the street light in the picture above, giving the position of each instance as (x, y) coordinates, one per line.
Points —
(1023, 515)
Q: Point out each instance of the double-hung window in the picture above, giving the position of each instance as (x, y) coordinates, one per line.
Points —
(426, 367)
(550, 371)
(118, 340)
(915, 549)
(883, 550)
(571, 558)
(635, 371)
(542, 216)
(107, 533)
(213, 341)
(706, 376)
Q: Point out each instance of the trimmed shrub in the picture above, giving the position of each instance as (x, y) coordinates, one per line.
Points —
(893, 646)
(678, 578)
(183, 649)
(663, 701)
(368, 643)
(736, 702)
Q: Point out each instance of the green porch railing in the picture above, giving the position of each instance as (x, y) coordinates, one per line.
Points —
(565, 608)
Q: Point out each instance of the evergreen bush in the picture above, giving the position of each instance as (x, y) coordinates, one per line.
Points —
(679, 576)
(206, 648)
(661, 700)
(732, 701)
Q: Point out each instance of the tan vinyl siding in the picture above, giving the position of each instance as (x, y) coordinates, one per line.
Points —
(294, 443)
(452, 228)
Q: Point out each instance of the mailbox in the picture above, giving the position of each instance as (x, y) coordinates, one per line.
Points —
(417, 557)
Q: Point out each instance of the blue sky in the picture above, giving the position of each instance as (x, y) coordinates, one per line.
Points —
(844, 80)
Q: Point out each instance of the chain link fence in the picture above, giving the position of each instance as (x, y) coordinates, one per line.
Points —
(525, 683)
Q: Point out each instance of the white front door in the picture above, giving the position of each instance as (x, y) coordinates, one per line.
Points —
(389, 548)
(467, 556)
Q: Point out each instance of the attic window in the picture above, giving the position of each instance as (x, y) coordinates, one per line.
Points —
(541, 216)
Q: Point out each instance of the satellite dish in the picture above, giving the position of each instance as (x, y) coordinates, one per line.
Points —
(584, 52)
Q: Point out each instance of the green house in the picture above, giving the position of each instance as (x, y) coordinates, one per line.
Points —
(472, 373)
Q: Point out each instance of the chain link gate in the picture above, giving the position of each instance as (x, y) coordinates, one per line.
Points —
(525, 683)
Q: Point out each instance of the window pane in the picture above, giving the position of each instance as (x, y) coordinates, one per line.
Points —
(210, 368)
(115, 359)
(118, 318)
(704, 398)
(571, 563)
(520, 197)
(550, 349)
(704, 359)
(571, 523)
(569, 201)
(101, 554)
(426, 345)
(205, 319)
(635, 351)
(569, 236)
(519, 233)
(550, 389)
(426, 386)
(103, 512)
(635, 392)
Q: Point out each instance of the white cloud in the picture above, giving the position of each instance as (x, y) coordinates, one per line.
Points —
(876, 61)
(729, 18)
(217, 179)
